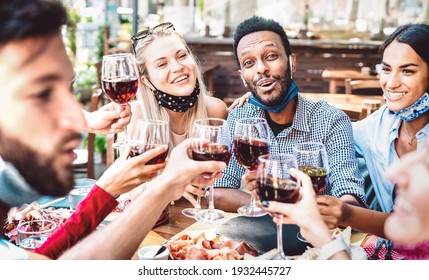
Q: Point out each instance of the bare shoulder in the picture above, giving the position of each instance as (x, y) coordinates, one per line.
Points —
(216, 108)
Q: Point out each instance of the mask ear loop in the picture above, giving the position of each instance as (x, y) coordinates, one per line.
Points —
(290, 66)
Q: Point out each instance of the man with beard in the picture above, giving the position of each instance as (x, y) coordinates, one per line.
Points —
(266, 63)
(40, 125)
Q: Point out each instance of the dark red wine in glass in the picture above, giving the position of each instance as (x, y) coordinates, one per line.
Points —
(212, 151)
(137, 150)
(247, 151)
(286, 191)
(121, 90)
(317, 175)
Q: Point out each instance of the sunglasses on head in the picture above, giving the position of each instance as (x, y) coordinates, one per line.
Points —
(143, 34)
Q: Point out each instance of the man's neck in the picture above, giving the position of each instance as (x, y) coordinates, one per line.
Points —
(287, 115)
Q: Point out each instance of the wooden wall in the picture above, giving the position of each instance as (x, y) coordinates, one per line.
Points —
(312, 58)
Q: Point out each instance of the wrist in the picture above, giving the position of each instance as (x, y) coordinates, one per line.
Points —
(331, 248)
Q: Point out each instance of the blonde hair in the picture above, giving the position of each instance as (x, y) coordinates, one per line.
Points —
(146, 98)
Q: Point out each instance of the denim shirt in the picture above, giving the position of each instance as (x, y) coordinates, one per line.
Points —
(375, 141)
(316, 122)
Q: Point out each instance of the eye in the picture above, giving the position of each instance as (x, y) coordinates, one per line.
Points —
(247, 63)
(182, 55)
(162, 65)
(272, 56)
(408, 71)
(44, 95)
(385, 69)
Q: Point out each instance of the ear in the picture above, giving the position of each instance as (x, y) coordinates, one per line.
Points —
(292, 57)
(146, 82)
(242, 79)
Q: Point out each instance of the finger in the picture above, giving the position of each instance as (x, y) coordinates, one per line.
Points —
(195, 190)
(189, 197)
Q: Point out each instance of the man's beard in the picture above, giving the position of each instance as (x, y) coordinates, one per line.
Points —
(273, 101)
(37, 169)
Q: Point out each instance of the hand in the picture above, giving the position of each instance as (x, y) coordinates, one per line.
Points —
(181, 170)
(191, 191)
(111, 118)
(332, 209)
(239, 101)
(304, 213)
(127, 173)
(249, 180)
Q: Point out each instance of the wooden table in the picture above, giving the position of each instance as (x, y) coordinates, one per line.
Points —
(208, 69)
(351, 104)
(337, 76)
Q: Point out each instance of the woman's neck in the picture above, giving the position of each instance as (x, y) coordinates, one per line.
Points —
(178, 122)
(407, 139)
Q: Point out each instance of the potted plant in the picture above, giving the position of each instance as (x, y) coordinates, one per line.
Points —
(99, 145)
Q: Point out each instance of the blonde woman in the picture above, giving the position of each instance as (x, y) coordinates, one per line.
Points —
(171, 86)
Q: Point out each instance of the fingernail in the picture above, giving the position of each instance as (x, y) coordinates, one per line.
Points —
(265, 203)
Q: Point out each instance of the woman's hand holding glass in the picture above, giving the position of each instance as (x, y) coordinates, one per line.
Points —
(119, 80)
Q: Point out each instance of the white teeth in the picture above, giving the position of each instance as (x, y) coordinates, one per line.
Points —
(403, 204)
(180, 79)
(397, 94)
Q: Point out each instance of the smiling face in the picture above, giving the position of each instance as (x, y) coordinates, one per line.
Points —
(169, 66)
(40, 119)
(409, 223)
(264, 66)
(405, 76)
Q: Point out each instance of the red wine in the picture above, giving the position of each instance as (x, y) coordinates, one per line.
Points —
(286, 191)
(248, 150)
(317, 175)
(140, 149)
(211, 151)
(121, 90)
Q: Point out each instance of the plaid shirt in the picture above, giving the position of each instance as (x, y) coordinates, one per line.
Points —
(316, 122)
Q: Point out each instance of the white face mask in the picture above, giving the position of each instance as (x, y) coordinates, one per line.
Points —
(416, 110)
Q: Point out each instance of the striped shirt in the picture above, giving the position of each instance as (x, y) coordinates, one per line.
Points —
(315, 122)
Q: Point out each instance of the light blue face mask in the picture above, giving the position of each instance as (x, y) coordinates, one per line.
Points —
(14, 190)
(416, 110)
(292, 92)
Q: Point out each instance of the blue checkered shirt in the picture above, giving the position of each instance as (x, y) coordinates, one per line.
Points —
(316, 122)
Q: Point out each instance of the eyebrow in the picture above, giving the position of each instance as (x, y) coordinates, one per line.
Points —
(402, 66)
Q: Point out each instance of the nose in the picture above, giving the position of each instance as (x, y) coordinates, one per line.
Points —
(176, 66)
(71, 115)
(393, 81)
(262, 67)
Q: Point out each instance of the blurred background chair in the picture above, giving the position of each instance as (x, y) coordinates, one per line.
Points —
(363, 87)
(84, 161)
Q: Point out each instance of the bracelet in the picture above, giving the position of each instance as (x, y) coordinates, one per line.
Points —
(331, 248)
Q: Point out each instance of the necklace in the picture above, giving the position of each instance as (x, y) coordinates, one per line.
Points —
(410, 139)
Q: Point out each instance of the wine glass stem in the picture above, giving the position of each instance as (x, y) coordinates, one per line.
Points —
(253, 201)
(198, 203)
(279, 225)
(211, 199)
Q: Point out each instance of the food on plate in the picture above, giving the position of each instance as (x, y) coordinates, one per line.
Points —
(200, 248)
(356, 252)
(32, 212)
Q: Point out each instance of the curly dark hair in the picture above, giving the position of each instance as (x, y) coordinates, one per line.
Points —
(416, 35)
(255, 24)
(20, 19)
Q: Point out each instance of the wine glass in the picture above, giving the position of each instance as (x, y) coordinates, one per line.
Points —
(210, 142)
(147, 135)
(313, 160)
(274, 182)
(251, 140)
(119, 81)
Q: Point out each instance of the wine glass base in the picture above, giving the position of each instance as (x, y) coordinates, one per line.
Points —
(251, 211)
(283, 257)
(190, 212)
(210, 216)
(300, 238)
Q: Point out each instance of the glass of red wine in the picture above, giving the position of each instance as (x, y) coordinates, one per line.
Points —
(119, 80)
(147, 135)
(210, 142)
(274, 182)
(313, 160)
(251, 140)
